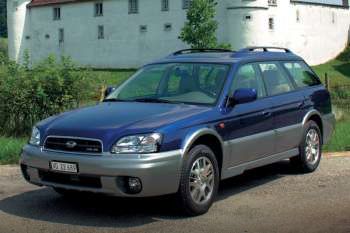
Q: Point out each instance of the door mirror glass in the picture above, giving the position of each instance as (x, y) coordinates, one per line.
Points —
(244, 95)
(109, 90)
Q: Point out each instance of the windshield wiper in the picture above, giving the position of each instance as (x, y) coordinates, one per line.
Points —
(152, 100)
(114, 100)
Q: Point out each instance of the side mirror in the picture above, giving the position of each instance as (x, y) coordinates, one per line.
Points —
(242, 96)
(109, 90)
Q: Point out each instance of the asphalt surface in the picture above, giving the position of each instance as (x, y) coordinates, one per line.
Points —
(268, 199)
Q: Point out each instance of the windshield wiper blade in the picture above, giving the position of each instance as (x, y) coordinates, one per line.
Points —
(152, 100)
(115, 100)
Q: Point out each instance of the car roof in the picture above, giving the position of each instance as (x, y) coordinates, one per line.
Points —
(250, 54)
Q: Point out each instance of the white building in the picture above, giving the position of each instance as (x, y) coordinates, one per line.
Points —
(129, 33)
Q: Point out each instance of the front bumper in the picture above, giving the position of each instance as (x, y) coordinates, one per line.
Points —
(159, 172)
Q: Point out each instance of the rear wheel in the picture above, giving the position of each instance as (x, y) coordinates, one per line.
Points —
(310, 149)
(199, 180)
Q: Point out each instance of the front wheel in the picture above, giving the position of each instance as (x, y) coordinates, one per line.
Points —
(310, 149)
(199, 180)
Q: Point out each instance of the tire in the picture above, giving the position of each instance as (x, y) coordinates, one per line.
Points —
(310, 149)
(198, 187)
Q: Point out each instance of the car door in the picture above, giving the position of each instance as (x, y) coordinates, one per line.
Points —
(287, 105)
(250, 125)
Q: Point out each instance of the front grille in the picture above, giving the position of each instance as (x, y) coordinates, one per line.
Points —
(68, 179)
(73, 145)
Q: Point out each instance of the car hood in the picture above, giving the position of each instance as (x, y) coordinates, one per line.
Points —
(110, 121)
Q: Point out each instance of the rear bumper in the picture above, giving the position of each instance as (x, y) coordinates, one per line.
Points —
(328, 122)
(159, 173)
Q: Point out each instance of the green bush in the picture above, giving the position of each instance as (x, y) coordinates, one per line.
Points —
(10, 149)
(3, 51)
(29, 95)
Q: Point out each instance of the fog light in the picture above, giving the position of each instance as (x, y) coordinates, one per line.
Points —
(134, 185)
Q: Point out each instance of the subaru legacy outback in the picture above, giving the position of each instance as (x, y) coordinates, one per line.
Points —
(181, 124)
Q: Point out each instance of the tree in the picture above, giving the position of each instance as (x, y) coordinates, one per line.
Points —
(3, 19)
(200, 28)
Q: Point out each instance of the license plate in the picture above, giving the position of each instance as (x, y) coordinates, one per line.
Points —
(64, 167)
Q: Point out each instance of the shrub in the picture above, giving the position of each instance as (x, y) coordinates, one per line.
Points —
(3, 51)
(29, 95)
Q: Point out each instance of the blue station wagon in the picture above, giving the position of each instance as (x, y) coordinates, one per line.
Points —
(181, 124)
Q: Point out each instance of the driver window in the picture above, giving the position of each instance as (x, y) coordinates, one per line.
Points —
(211, 78)
(247, 77)
(180, 79)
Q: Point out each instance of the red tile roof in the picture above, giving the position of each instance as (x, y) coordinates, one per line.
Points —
(34, 3)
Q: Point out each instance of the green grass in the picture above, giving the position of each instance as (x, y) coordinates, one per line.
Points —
(338, 70)
(110, 77)
(10, 149)
(341, 138)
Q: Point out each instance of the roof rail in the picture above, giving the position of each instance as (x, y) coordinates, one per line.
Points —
(188, 51)
(264, 48)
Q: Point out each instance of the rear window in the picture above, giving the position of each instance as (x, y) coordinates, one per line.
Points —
(302, 74)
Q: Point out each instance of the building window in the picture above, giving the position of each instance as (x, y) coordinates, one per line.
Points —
(186, 4)
(167, 27)
(143, 28)
(15, 5)
(298, 16)
(100, 32)
(133, 6)
(99, 9)
(271, 23)
(272, 2)
(165, 5)
(333, 17)
(56, 13)
(247, 18)
(61, 35)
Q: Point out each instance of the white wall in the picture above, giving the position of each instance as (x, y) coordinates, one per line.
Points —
(124, 45)
(315, 36)
(18, 26)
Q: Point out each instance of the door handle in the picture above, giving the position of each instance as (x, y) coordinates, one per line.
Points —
(301, 104)
(266, 113)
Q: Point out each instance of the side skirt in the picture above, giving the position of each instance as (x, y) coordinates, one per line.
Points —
(238, 170)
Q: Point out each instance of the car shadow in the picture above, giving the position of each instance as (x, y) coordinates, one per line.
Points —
(103, 211)
(254, 178)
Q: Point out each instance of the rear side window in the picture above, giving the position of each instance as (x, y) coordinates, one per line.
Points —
(276, 81)
(247, 77)
(302, 74)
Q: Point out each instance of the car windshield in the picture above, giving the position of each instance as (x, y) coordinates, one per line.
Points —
(191, 83)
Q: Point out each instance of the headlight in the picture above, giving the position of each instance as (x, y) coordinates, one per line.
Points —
(35, 138)
(147, 143)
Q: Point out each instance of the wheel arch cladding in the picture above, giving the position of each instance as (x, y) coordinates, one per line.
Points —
(212, 141)
(317, 119)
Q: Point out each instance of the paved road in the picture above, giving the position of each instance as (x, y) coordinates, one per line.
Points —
(269, 199)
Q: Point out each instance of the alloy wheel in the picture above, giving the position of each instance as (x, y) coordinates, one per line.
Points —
(202, 180)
